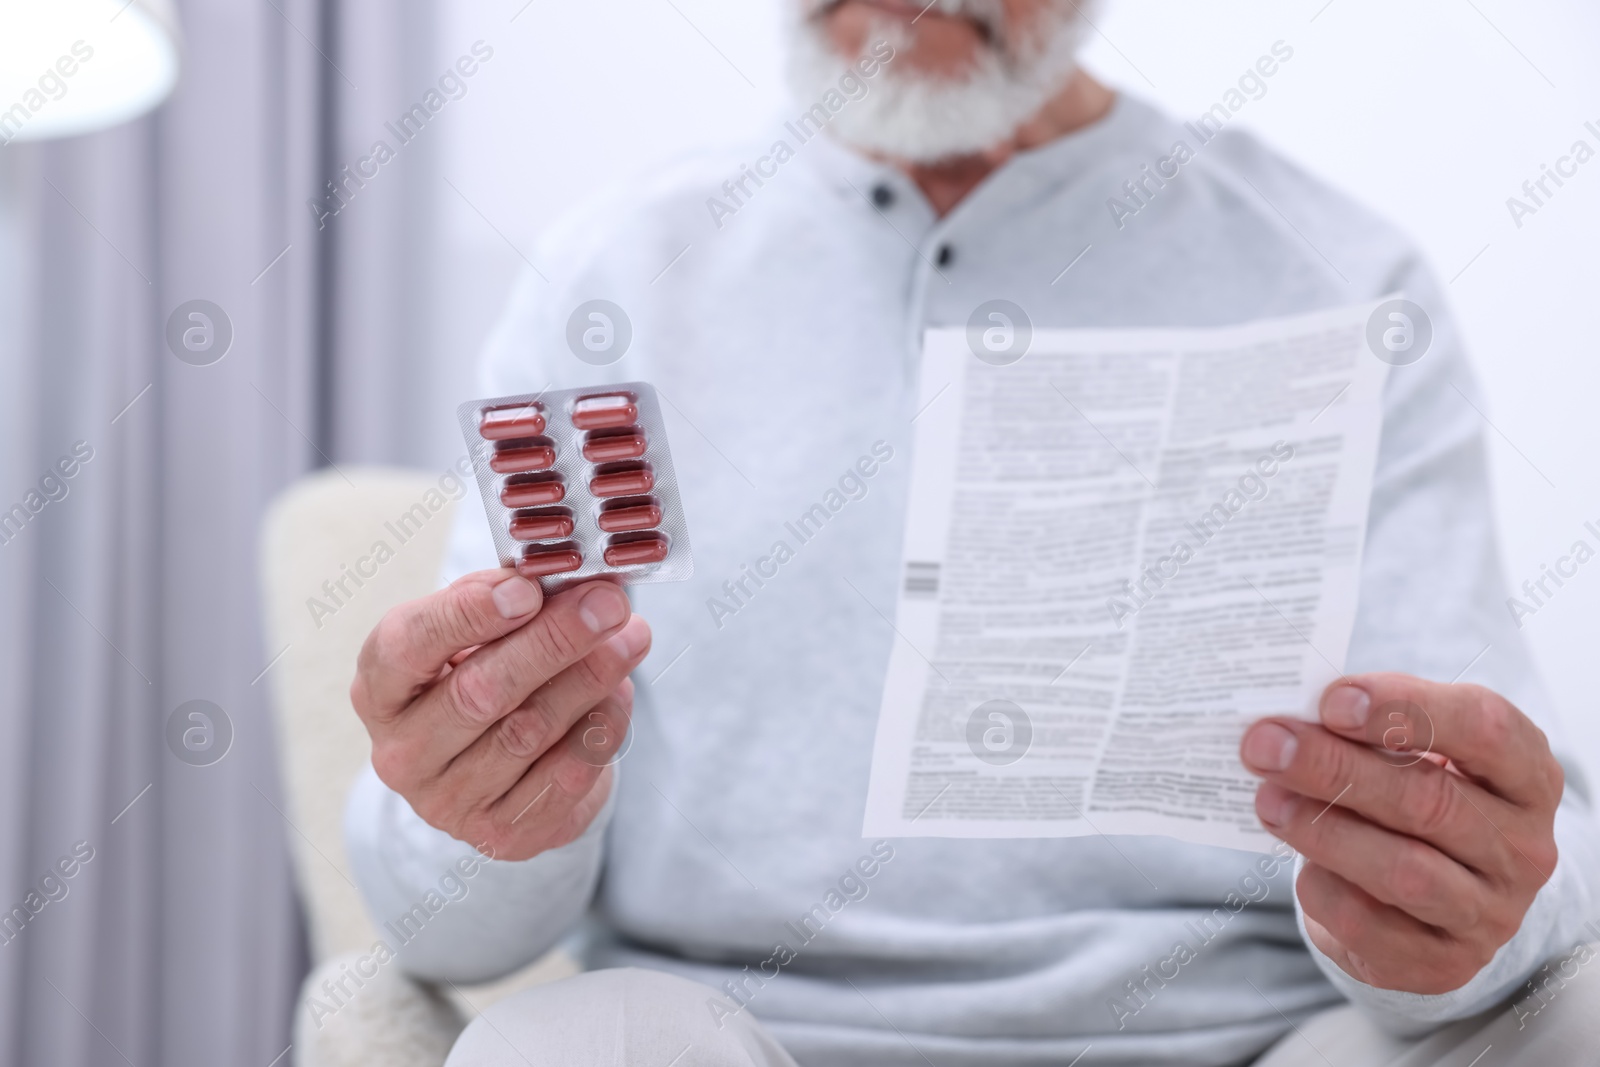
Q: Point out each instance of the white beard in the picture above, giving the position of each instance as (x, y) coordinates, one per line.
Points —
(923, 119)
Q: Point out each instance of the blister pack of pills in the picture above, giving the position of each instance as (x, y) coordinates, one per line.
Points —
(578, 484)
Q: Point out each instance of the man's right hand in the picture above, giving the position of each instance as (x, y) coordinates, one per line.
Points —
(496, 713)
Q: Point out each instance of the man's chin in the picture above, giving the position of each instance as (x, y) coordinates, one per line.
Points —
(930, 129)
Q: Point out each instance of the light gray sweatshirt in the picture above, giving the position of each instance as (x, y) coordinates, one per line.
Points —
(781, 321)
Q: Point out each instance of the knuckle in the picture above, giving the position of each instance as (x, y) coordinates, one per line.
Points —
(1322, 903)
(1554, 777)
(456, 618)
(392, 644)
(360, 698)
(1432, 802)
(597, 736)
(1544, 855)
(555, 641)
(479, 693)
(1413, 875)
(1343, 925)
(1406, 726)
(1496, 720)
(393, 766)
(404, 639)
(491, 836)
(367, 661)
(435, 810)
(619, 712)
(1329, 760)
(582, 815)
(599, 672)
(444, 622)
(571, 780)
(1471, 909)
(524, 733)
(1327, 898)
(1495, 930)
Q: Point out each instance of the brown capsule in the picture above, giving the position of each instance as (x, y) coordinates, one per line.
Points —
(550, 561)
(614, 447)
(633, 553)
(522, 458)
(631, 482)
(640, 517)
(540, 527)
(604, 412)
(532, 494)
(513, 420)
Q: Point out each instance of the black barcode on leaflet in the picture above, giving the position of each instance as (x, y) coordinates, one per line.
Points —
(922, 579)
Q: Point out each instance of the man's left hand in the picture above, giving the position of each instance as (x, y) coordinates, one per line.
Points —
(1426, 814)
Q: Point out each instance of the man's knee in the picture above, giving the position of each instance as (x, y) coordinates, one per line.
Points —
(349, 1014)
(1563, 994)
(624, 1015)
(1552, 1020)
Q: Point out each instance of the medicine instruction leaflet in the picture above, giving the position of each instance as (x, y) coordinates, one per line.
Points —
(1121, 549)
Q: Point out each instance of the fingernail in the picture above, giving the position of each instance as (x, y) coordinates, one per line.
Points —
(603, 607)
(631, 639)
(1275, 806)
(515, 597)
(1346, 707)
(1269, 747)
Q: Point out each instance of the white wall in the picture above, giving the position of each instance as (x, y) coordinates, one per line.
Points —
(1434, 112)
(576, 96)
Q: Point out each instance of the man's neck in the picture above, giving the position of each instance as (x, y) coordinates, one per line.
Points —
(1082, 102)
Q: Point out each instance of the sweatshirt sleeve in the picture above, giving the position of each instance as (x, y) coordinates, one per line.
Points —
(1433, 603)
(1560, 920)
(448, 913)
(442, 922)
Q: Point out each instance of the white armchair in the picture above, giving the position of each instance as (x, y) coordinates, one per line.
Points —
(318, 531)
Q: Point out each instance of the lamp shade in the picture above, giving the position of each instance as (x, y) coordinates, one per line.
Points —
(75, 66)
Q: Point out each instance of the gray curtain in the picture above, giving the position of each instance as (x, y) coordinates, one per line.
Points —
(147, 913)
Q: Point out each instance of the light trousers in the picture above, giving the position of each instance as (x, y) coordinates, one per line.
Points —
(627, 1017)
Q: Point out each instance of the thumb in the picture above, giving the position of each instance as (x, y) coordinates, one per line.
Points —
(415, 640)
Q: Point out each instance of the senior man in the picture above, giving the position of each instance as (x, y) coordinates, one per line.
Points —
(712, 862)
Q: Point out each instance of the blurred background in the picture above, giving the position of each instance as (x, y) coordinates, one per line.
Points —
(199, 304)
